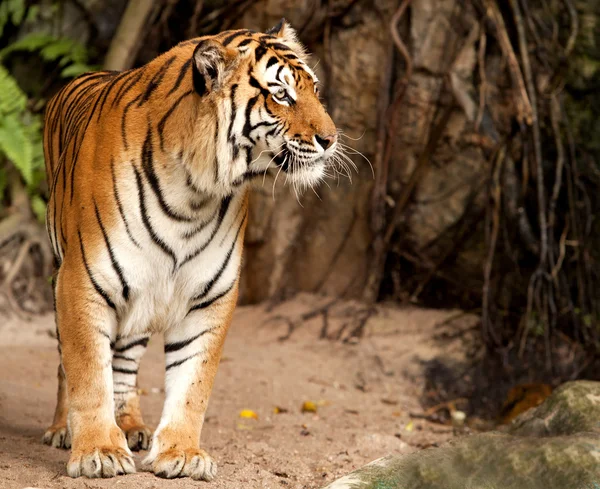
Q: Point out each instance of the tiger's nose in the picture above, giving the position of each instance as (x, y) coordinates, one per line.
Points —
(326, 141)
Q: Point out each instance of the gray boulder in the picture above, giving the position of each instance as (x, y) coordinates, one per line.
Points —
(554, 446)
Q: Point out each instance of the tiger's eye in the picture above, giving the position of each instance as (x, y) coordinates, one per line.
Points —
(281, 93)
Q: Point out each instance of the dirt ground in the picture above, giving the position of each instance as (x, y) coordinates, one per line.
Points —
(365, 394)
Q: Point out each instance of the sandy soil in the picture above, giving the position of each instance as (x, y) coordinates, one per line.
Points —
(365, 394)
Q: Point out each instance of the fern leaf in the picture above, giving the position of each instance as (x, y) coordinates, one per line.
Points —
(12, 98)
(30, 42)
(16, 146)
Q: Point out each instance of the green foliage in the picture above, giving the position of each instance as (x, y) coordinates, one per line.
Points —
(20, 132)
(70, 54)
(11, 11)
(20, 119)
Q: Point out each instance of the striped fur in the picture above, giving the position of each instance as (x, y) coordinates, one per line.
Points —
(149, 172)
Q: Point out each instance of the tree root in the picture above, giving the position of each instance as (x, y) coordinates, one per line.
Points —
(354, 320)
(25, 265)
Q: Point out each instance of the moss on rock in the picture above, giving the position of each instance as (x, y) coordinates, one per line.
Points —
(555, 446)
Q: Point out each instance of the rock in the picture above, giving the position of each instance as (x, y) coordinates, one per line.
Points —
(573, 408)
(554, 446)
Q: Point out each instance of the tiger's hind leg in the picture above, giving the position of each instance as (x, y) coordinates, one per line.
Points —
(57, 435)
(125, 364)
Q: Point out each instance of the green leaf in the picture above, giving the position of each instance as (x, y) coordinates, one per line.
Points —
(12, 98)
(32, 14)
(16, 146)
(30, 42)
(17, 8)
(13, 11)
(73, 70)
(58, 48)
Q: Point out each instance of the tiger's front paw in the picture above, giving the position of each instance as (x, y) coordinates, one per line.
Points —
(194, 463)
(106, 461)
(57, 436)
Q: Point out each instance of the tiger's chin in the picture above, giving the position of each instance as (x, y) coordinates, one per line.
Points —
(301, 173)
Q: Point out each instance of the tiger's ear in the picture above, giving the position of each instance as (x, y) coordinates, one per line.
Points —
(286, 33)
(211, 63)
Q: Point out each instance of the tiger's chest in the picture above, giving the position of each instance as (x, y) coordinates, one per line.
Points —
(171, 266)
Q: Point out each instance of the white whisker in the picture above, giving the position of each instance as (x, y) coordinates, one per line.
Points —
(343, 134)
(276, 176)
(269, 164)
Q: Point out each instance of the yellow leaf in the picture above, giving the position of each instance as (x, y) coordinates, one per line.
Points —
(410, 426)
(248, 413)
(309, 407)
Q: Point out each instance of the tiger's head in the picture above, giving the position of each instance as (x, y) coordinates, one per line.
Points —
(267, 100)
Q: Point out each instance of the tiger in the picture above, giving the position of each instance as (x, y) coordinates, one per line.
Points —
(149, 172)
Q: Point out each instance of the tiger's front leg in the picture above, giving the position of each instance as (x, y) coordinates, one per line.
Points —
(193, 350)
(86, 324)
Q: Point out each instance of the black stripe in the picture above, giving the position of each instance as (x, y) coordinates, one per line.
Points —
(75, 158)
(273, 131)
(262, 124)
(259, 52)
(245, 42)
(267, 37)
(209, 302)
(127, 85)
(229, 39)
(256, 84)
(73, 106)
(120, 205)
(222, 212)
(182, 72)
(235, 219)
(113, 260)
(123, 357)
(278, 46)
(216, 139)
(125, 370)
(278, 74)
(142, 341)
(163, 121)
(272, 61)
(171, 347)
(179, 362)
(124, 119)
(248, 123)
(146, 220)
(97, 287)
(190, 234)
(233, 110)
(210, 284)
(156, 79)
(148, 166)
(107, 90)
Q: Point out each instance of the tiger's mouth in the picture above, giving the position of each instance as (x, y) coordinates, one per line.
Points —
(291, 162)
